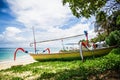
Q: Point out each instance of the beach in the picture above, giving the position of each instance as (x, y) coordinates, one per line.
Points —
(98, 68)
(19, 61)
(7, 55)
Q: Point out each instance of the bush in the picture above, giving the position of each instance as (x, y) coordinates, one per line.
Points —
(113, 39)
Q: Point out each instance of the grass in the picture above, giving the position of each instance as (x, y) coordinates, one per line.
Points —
(65, 70)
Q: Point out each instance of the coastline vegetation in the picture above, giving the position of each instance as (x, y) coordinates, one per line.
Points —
(92, 69)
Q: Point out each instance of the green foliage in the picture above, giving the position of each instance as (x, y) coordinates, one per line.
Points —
(63, 50)
(46, 75)
(89, 67)
(118, 20)
(84, 8)
(113, 39)
(107, 12)
(115, 20)
(118, 1)
(100, 37)
(83, 40)
(102, 22)
(19, 68)
(101, 16)
(17, 78)
(65, 70)
(108, 22)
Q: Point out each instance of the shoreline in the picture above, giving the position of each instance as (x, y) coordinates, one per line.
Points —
(19, 61)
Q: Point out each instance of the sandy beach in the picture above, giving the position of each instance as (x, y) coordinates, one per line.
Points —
(19, 61)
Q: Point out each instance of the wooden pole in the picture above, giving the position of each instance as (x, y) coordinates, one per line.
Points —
(34, 39)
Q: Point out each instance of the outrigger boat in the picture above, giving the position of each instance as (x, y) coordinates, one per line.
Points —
(71, 54)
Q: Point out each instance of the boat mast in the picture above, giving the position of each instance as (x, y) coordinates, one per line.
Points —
(63, 44)
(34, 39)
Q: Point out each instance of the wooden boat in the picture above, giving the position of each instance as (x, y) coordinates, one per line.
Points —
(79, 54)
(70, 54)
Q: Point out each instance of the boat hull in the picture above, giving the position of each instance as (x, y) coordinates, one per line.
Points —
(70, 55)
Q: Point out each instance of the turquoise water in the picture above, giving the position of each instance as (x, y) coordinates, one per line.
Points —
(8, 53)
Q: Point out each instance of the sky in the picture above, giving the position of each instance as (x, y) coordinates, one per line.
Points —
(49, 18)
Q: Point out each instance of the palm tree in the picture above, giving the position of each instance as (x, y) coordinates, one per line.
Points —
(102, 22)
(115, 21)
(107, 23)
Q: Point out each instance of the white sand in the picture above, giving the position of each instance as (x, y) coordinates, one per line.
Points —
(19, 61)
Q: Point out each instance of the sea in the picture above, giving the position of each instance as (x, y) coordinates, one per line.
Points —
(7, 54)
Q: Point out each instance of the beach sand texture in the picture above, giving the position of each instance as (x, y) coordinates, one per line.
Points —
(19, 61)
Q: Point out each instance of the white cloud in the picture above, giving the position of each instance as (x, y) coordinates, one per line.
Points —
(12, 31)
(40, 13)
(1, 37)
(11, 34)
(44, 15)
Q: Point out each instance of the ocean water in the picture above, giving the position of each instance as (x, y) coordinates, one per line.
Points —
(7, 54)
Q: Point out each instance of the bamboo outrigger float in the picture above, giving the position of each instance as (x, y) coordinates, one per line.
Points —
(79, 53)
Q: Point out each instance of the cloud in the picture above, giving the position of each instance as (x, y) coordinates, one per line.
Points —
(47, 16)
(11, 34)
(1, 37)
(40, 13)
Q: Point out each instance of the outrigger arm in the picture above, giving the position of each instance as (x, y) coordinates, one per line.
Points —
(57, 39)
